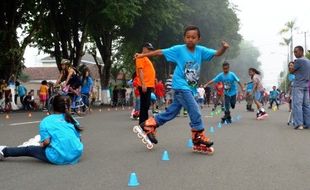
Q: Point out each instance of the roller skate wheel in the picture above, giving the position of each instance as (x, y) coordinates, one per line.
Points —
(149, 146)
(139, 135)
(135, 129)
(144, 141)
(211, 151)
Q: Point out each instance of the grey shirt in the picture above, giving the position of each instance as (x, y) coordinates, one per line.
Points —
(302, 72)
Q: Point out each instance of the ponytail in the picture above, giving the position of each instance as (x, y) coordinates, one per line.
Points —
(62, 104)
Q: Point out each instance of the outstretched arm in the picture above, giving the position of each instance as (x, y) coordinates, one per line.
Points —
(222, 49)
(241, 86)
(149, 54)
(208, 83)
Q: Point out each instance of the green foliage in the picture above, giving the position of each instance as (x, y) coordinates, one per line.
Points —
(14, 15)
(116, 29)
(308, 54)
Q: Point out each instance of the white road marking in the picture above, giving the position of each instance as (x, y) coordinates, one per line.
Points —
(32, 122)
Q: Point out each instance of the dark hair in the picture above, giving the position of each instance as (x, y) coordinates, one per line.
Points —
(300, 48)
(255, 71)
(86, 69)
(17, 83)
(62, 104)
(188, 28)
(225, 64)
(291, 62)
(44, 82)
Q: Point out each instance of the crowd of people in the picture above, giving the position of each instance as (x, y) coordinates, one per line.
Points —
(70, 82)
(181, 90)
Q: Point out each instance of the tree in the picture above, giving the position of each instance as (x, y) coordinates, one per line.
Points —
(289, 27)
(106, 22)
(217, 21)
(18, 23)
(64, 29)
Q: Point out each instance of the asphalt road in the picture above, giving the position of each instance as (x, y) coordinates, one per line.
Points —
(249, 154)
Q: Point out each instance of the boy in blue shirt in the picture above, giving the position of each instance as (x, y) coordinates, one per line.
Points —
(273, 96)
(229, 80)
(188, 59)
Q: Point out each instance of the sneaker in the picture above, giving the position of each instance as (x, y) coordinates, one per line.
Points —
(261, 115)
(1, 152)
(300, 127)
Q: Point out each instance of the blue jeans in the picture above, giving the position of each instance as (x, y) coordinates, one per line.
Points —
(85, 99)
(182, 98)
(301, 106)
(137, 104)
(30, 151)
(230, 101)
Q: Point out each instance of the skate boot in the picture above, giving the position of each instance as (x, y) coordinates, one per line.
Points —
(224, 117)
(146, 132)
(149, 127)
(201, 143)
(228, 118)
(251, 109)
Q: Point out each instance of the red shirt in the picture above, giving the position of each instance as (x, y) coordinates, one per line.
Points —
(160, 90)
(135, 85)
(219, 88)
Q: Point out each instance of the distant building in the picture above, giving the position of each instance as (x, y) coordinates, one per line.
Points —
(48, 70)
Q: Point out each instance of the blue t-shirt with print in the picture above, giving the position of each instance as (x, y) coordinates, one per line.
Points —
(187, 72)
(229, 80)
(274, 94)
(65, 145)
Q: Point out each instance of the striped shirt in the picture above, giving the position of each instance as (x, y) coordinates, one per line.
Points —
(168, 84)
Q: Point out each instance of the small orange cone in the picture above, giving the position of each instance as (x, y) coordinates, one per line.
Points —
(29, 114)
(7, 116)
(47, 113)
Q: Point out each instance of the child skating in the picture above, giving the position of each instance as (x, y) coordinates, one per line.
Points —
(257, 93)
(229, 80)
(188, 59)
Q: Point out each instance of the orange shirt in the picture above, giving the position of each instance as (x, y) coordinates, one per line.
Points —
(43, 90)
(148, 72)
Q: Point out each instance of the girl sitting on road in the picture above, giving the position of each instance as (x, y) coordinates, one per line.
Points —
(60, 141)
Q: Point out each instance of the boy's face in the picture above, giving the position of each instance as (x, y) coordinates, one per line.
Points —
(191, 38)
(225, 69)
(145, 50)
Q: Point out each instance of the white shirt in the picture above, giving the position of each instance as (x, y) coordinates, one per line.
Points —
(201, 92)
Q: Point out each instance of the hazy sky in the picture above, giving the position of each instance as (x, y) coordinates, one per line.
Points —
(261, 21)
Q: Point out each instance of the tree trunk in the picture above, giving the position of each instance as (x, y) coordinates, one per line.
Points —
(104, 45)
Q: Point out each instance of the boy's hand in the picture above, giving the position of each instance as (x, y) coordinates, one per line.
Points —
(137, 55)
(225, 45)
